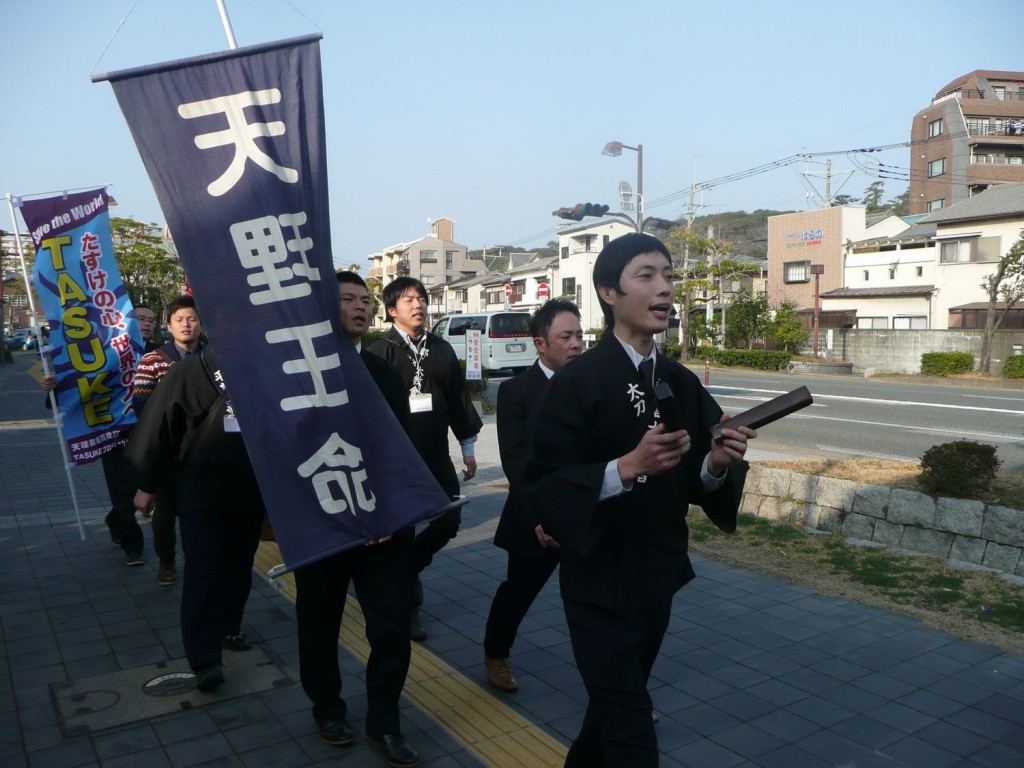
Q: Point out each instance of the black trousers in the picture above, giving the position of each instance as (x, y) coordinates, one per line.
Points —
(221, 513)
(121, 487)
(382, 575)
(525, 579)
(614, 655)
(440, 531)
(165, 517)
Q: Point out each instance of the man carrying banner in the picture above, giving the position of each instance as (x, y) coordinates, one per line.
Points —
(189, 422)
(438, 400)
(186, 331)
(382, 572)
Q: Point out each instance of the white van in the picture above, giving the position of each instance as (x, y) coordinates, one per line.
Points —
(505, 340)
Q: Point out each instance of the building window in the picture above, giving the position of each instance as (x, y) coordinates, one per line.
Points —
(428, 257)
(872, 323)
(920, 271)
(937, 167)
(975, 249)
(606, 239)
(569, 286)
(449, 259)
(892, 273)
(935, 128)
(936, 205)
(565, 251)
(796, 272)
(428, 279)
(999, 91)
(917, 323)
(495, 297)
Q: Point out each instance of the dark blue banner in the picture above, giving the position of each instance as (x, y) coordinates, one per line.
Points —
(234, 145)
(94, 342)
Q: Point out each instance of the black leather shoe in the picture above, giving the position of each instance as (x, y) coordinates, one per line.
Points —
(210, 678)
(396, 751)
(335, 732)
(416, 630)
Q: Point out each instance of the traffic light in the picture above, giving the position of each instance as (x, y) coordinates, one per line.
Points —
(578, 211)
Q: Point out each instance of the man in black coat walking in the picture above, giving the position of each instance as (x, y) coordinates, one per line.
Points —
(382, 572)
(613, 487)
(438, 401)
(532, 553)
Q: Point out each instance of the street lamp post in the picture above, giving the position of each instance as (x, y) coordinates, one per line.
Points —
(614, 149)
(817, 270)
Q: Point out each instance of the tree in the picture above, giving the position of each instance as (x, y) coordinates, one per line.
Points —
(900, 205)
(703, 258)
(786, 330)
(873, 197)
(839, 200)
(149, 265)
(748, 318)
(1007, 282)
(354, 267)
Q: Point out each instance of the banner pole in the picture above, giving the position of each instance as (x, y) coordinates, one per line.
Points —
(47, 363)
(229, 33)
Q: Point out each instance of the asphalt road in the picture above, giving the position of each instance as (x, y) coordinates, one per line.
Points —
(878, 418)
(887, 418)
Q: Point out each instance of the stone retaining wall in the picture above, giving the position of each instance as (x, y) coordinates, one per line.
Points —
(955, 529)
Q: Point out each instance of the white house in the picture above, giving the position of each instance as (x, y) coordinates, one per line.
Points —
(930, 274)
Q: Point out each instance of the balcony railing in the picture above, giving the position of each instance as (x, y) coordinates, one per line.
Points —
(997, 159)
(1000, 128)
(970, 93)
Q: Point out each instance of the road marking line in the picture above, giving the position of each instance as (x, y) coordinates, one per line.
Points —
(877, 401)
(493, 732)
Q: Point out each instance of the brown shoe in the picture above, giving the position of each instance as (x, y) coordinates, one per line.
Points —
(267, 532)
(167, 574)
(499, 674)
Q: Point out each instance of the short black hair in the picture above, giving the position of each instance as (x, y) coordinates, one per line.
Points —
(393, 292)
(348, 276)
(182, 302)
(613, 259)
(544, 318)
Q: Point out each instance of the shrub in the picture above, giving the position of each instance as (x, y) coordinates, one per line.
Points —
(761, 359)
(946, 363)
(1013, 368)
(371, 336)
(959, 469)
(673, 348)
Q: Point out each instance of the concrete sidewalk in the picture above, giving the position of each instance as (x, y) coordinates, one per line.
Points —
(753, 672)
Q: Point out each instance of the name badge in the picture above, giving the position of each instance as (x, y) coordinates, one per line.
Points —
(420, 404)
(231, 424)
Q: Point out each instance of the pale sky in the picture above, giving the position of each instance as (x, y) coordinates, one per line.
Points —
(495, 113)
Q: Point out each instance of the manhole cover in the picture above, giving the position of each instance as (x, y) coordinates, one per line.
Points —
(170, 685)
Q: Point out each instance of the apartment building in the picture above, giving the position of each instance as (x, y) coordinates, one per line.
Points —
(434, 259)
(970, 137)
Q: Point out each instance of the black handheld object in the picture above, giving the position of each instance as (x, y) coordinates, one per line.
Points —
(765, 413)
(667, 407)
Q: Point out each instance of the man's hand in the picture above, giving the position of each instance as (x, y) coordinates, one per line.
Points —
(732, 449)
(657, 452)
(381, 540)
(48, 383)
(144, 503)
(470, 472)
(545, 539)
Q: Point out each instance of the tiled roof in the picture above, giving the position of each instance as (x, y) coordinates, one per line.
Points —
(997, 201)
(881, 292)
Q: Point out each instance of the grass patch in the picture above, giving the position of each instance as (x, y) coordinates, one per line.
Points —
(978, 606)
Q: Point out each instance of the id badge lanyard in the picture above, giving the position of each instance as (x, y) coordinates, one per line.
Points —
(419, 401)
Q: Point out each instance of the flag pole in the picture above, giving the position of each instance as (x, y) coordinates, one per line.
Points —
(44, 354)
(229, 33)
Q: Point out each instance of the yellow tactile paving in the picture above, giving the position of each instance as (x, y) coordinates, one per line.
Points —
(496, 734)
